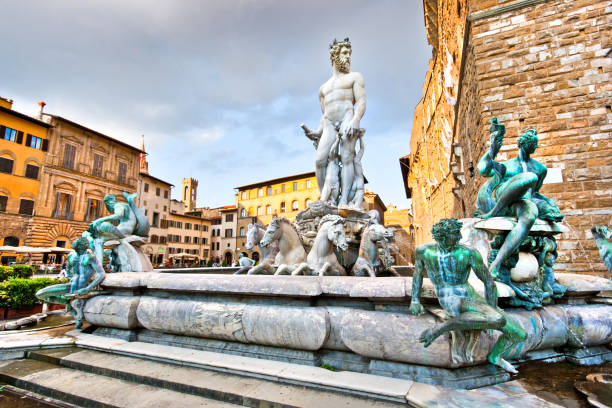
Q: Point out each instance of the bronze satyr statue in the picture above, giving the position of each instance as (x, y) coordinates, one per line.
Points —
(448, 265)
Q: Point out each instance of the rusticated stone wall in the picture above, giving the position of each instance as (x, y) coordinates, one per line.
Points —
(544, 65)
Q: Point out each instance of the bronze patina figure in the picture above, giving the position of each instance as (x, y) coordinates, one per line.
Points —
(82, 267)
(603, 238)
(513, 190)
(448, 265)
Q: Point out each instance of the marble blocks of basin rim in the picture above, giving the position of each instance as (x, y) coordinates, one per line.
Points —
(355, 324)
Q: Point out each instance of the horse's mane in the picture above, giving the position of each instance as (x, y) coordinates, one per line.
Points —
(286, 221)
(258, 225)
(331, 218)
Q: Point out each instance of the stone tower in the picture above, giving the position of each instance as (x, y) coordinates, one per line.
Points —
(189, 193)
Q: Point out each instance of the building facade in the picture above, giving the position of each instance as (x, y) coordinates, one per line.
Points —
(229, 224)
(188, 236)
(23, 141)
(284, 197)
(532, 64)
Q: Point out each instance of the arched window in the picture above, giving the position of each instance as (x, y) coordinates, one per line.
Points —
(243, 212)
(260, 210)
(242, 231)
(283, 207)
(268, 209)
(307, 202)
(295, 205)
(185, 193)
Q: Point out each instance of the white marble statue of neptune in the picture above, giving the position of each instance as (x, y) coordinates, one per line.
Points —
(343, 104)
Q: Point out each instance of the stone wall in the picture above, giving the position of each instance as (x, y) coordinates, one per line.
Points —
(543, 65)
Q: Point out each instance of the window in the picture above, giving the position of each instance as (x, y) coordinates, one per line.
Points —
(33, 141)
(205, 253)
(195, 240)
(242, 231)
(158, 191)
(185, 193)
(165, 193)
(269, 191)
(63, 206)
(122, 173)
(69, 155)
(251, 212)
(228, 233)
(188, 225)
(3, 201)
(268, 210)
(213, 232)
(218, 245)
(11, 134)
(295, 185)
(205, 228)
(260, 192)
(26, 207)
(31, 171)
(260, 210)
(165, 208)
(229, 217)
(283, 207)
(155, 219)
(93, 209)
(60, 243)
(146, 187)
(308, 183)
(205, 240)
(178, 224)
(154, 239)
(243, 212)
(98, 162)
(244, 195)
(307, 202)
(283, 189)
(187, 239)
(6, 165)
(11, 241)
(196, 227)
(295, 205)
(162, 240)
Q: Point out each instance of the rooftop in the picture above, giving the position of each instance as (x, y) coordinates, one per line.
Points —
(24, 117)
(156, 179)
(277, 180)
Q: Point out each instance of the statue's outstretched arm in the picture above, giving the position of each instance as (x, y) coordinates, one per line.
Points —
(417, 281)
(487, 166)
(483, 274)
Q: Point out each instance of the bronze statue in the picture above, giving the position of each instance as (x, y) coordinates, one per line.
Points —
(448, 265)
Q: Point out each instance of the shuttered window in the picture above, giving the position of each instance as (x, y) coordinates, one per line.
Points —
(97, 165)
(3, 201)
(93, 209)
(122, 177)
(6, 165)
(26, 207)
(32, 171)
(69, 156)
(33, 141)
(63, 206)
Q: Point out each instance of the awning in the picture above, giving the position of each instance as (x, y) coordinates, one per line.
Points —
(184, 255)
(33, 250)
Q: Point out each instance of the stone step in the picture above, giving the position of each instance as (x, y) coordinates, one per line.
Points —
(221, 386)
(92, 390)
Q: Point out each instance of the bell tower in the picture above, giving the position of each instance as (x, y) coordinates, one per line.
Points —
(189, 193)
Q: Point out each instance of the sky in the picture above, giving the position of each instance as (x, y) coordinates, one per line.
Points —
(218, 88)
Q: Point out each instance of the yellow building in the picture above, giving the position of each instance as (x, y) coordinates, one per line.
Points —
(23, 141)
(284, 197)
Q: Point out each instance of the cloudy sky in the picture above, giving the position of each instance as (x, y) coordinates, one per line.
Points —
(218, 88)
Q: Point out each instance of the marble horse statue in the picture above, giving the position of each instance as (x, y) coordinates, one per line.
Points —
(85, 272)
(369, 261)
(321, 259)
(291, 251)
(255, 233)
(125, 238)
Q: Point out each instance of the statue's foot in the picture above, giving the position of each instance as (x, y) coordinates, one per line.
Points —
(427, 337)
(500, 362)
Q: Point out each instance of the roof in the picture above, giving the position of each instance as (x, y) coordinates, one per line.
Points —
(25, 117)
(277, 180)
(405, 168)
(85, 128)
(229, 208)
(156, 179)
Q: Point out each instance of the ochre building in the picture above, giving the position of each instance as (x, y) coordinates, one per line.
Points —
(532, 64)
(23, 141)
